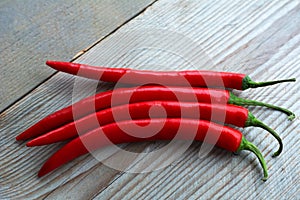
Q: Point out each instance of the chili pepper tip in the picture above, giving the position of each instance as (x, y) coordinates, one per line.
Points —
(22, 136)
(42, 173)
(61, 66)
(30, 144)
(18, 138)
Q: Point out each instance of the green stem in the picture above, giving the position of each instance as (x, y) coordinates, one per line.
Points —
(248, 83)
(246, 145)
(253, 121)
(242, 102)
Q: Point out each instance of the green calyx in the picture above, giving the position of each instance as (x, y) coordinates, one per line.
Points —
(246, 145)
(242, 102)
(253, 121)
(248, 83)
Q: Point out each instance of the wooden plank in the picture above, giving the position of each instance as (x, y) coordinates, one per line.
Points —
(260, 38)
(34, 31)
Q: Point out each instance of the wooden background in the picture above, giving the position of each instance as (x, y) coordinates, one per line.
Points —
(260, 38)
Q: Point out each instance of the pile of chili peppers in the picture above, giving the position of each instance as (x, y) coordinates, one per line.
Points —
(197, 96)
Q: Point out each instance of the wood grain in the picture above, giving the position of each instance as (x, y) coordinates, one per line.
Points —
(260, 38)
(32, 32)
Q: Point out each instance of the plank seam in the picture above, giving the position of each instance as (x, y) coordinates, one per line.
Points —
(79, 55)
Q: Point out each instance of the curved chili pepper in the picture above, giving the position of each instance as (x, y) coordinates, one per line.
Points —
(228, 114)
(146, 93)
(194, 78)
(228, 138)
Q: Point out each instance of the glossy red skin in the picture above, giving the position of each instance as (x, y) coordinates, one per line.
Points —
(193, 78)
(229, 139)
(229, 114)
(121, 96)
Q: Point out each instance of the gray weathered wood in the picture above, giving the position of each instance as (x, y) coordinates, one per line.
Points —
(260, 38)
(32, 32)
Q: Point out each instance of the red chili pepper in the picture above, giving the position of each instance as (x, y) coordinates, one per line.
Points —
(228, 138)
(147, 93)
(228, 114)
(194, 78)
